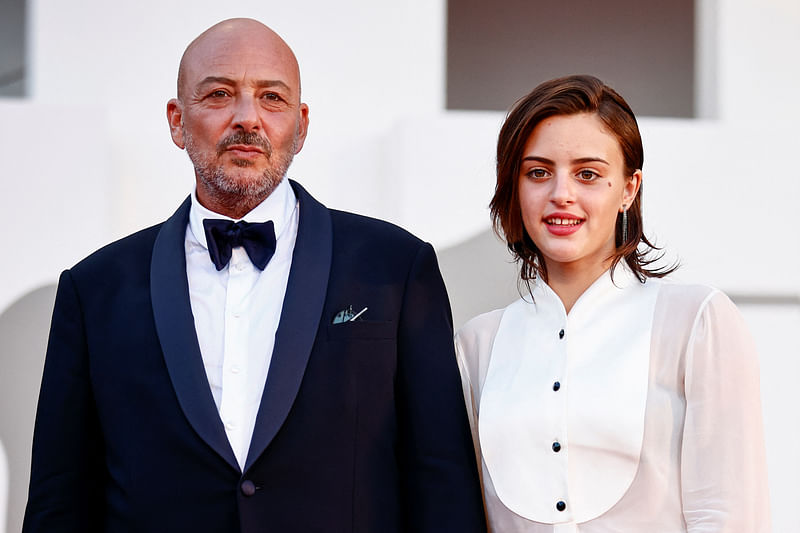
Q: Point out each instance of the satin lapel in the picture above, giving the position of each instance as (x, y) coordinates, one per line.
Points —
(169, 292)
(302, 310)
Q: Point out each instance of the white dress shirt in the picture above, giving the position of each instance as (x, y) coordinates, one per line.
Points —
(637, 411)
(237, 310)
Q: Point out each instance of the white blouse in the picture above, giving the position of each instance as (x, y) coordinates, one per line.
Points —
(639, 411)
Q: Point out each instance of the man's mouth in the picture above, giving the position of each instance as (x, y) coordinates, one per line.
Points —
(247, 144)
(245, 148)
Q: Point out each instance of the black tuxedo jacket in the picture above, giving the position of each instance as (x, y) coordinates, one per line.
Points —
(361, 428)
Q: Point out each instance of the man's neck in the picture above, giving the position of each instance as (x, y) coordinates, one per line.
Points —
(230, 205)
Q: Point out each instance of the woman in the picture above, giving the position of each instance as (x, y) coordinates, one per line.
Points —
(605, 399)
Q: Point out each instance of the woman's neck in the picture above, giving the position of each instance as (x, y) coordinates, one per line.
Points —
(570, 283)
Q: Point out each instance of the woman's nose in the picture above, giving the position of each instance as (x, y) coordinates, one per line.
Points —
(563, 189)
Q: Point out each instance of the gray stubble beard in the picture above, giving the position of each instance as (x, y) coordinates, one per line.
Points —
(234, 194)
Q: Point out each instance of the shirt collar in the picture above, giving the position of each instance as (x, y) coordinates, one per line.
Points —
(277, 207)
(602, 288)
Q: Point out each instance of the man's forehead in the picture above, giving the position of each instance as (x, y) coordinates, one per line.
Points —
(254, 81)
(239, 49)
(234, 68)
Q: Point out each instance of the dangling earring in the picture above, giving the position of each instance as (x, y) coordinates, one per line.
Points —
(624, 224)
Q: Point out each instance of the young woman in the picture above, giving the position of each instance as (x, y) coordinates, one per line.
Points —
(605, 399)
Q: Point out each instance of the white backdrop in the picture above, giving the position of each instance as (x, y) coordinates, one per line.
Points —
(87, 157)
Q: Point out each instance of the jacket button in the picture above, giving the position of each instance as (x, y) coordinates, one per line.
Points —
(561, 506)
(561, 334)
(556, 447)
(248, 487)
(556, 386)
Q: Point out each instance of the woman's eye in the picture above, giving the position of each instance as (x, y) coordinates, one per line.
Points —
(587, 175)
(537, 173)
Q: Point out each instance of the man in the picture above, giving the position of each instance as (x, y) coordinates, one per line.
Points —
(290, 373)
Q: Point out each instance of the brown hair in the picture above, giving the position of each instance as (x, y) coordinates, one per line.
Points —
(569, 95)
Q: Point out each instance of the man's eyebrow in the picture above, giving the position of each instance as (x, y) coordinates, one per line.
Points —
(260, 83)
(217, 79)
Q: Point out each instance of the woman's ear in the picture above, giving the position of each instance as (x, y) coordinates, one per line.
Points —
(632, 185)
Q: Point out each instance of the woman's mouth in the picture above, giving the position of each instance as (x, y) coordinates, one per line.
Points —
(558, 221)
(562, 226)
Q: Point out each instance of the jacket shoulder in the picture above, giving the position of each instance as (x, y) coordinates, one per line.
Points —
(364, 227)
(133, 248)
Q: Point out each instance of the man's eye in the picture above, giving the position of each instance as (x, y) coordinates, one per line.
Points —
(271, 97)
(218, 94)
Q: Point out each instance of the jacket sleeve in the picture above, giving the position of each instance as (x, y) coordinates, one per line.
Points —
(67, 465)
(437, 462)
(723, 459)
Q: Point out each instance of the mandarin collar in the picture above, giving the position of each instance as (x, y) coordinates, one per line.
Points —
(610, 282)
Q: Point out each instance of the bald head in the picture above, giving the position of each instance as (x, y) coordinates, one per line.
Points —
(228, 37)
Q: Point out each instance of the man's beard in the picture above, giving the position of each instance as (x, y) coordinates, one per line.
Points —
(231, 188)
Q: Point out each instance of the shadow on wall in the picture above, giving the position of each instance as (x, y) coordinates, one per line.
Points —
(3, 488)
(480, 276)
(23, 329)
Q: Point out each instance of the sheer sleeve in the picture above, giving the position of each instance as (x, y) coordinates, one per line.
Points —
(469, 395)
(473, 351)
(723, 464)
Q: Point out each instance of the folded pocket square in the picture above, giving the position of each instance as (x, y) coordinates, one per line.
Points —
(347, 315)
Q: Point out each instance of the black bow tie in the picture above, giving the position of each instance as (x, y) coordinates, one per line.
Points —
(223, 236)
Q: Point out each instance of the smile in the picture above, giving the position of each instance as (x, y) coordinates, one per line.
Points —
(556, 221)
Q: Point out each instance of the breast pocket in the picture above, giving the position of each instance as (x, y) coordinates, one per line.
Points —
(362, 329)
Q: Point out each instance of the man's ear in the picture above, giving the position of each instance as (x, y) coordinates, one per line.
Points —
(302, 127)
(175, 120)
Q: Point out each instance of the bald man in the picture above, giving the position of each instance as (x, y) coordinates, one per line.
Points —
(257, 362)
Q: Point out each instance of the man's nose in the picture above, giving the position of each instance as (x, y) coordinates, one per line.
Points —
(245, 114)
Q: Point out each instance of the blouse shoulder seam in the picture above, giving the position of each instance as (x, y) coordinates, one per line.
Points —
(695, 323)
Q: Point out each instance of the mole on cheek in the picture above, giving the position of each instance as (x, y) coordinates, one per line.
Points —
(609, 184)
